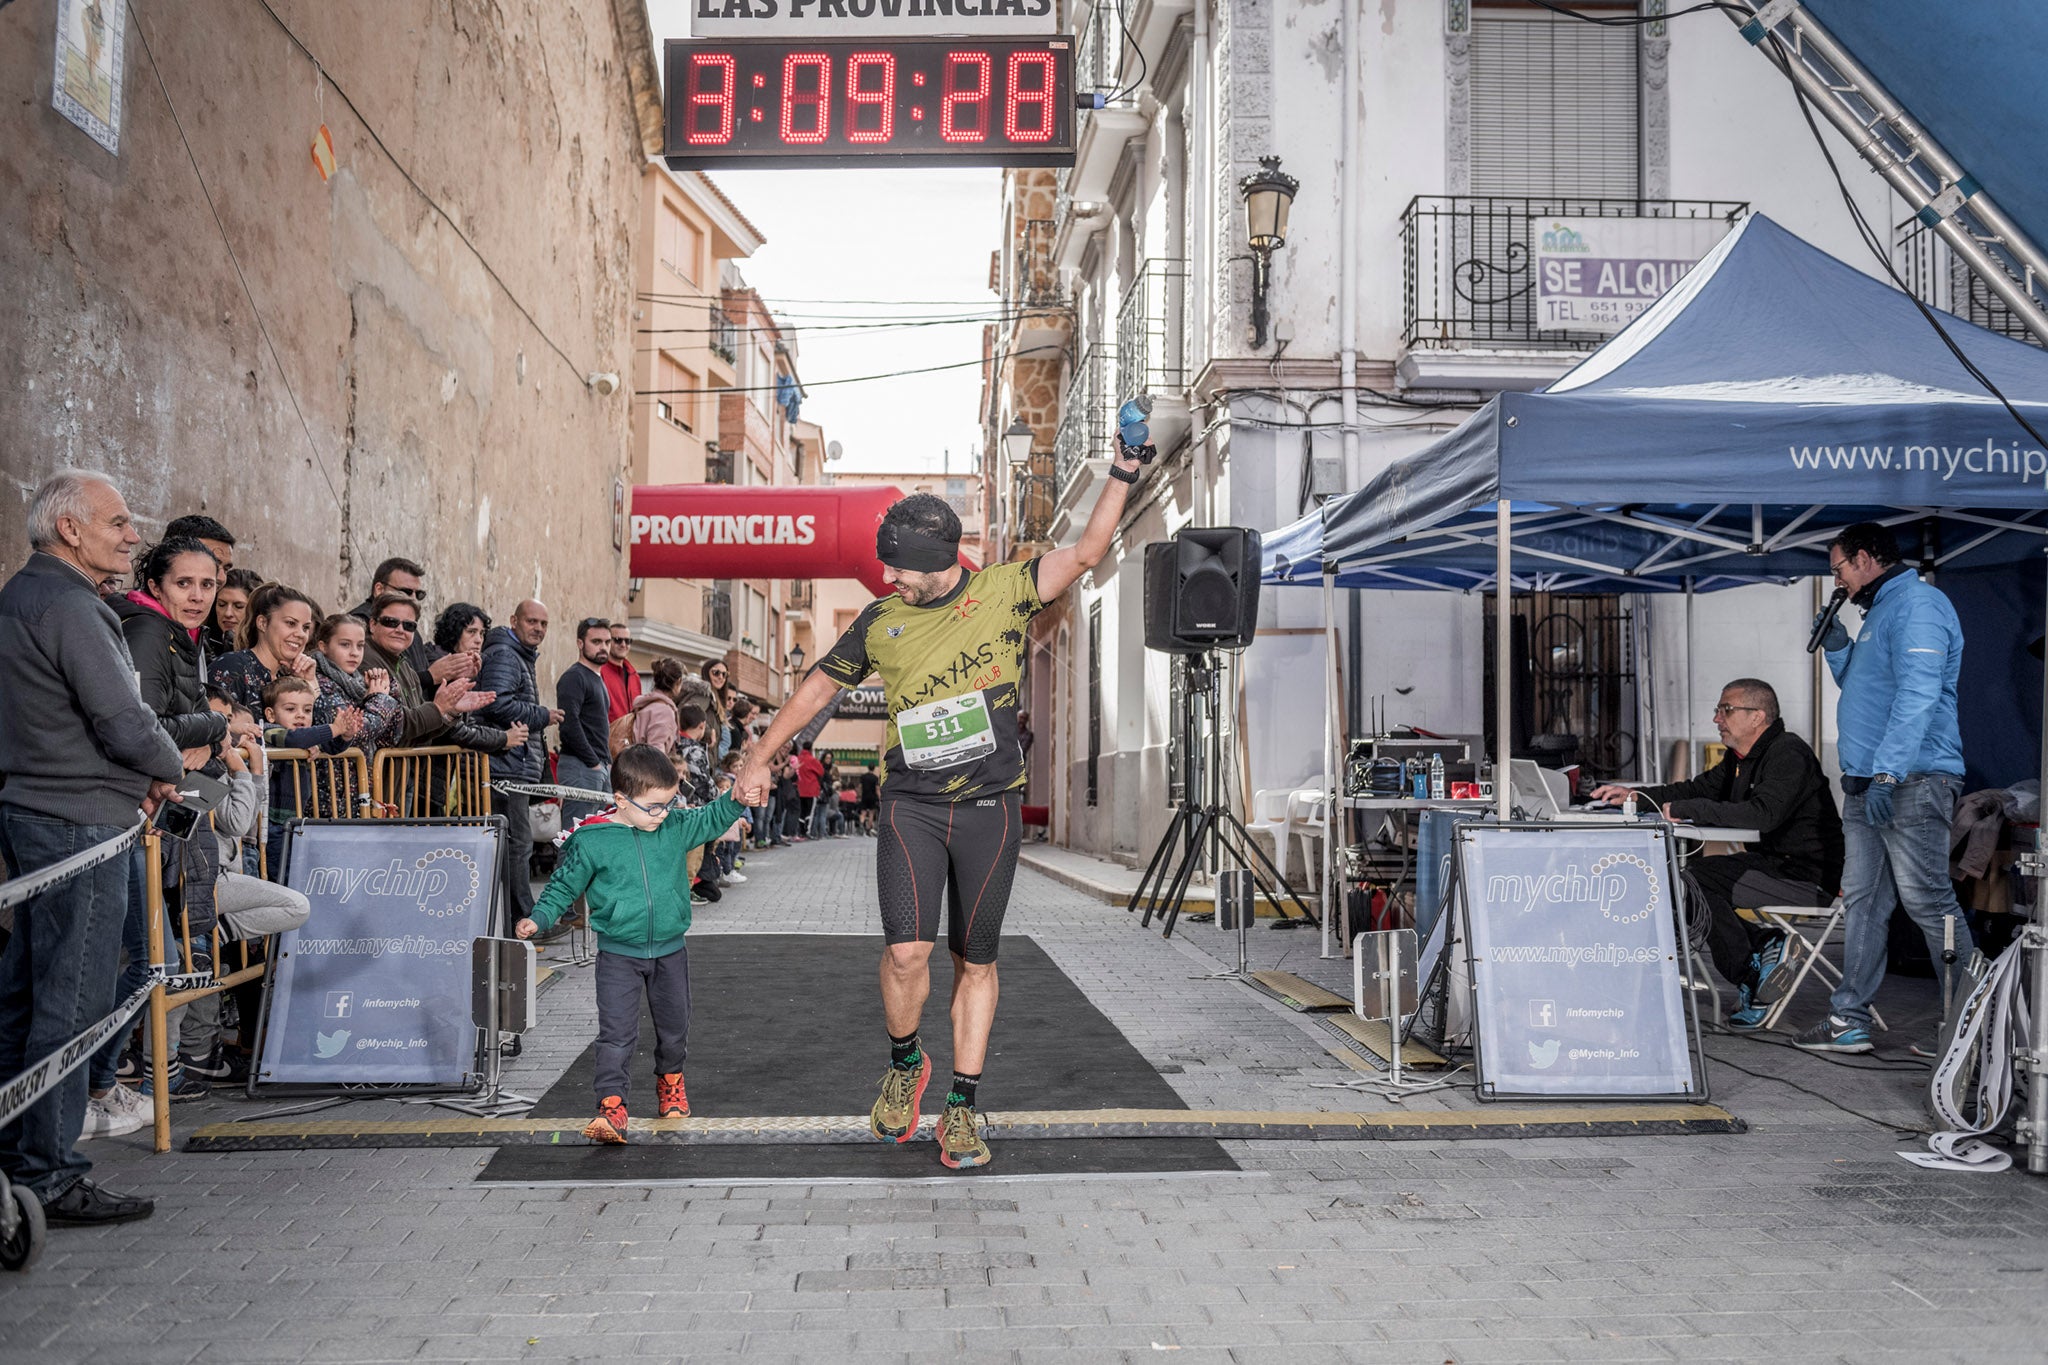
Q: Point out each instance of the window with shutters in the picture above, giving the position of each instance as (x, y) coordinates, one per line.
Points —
(676, 398)
(1554, 103)
(679, 243)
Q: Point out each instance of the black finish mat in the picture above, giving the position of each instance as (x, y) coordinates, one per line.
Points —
(791, 1024)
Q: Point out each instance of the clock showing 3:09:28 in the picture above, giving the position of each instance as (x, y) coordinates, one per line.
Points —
(851, 102)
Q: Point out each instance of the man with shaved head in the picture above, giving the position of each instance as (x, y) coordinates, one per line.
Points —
(510, 653)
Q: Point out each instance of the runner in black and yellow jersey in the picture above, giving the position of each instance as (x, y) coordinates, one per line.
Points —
(949, 645)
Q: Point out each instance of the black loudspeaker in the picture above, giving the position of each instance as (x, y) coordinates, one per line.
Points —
(1202, 590)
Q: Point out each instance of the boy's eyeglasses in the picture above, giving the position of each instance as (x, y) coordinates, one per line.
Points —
(398, 623)
(674, 803)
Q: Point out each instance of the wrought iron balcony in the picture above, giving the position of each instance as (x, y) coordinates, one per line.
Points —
(718, 613)
(1032, 500)
(1469, 276)
(1939, 278)
(725, 335)
(799, 594)
(1087, 419)
(1034, 276)
(1098, 46)
(1151, 341)
(718, 464)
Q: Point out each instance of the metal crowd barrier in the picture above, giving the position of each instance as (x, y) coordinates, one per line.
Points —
(434, 782)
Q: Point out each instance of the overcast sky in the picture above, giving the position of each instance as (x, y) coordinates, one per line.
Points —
(917, 242)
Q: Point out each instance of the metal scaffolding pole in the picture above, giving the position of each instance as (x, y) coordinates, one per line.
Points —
(1946, 197)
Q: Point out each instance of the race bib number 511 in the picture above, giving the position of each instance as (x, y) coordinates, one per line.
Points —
(942, 734)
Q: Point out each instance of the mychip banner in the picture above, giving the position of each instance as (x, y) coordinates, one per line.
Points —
(1575, 961)
(375, 989)
(1597, 274)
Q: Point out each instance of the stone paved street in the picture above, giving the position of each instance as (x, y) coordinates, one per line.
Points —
(1803, 1239)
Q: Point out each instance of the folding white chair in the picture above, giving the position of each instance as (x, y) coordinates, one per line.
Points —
(1269, 815)
(1798, 924)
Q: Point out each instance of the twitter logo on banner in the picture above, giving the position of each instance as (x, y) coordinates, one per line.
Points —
(1542, 1055)
(331, 1044)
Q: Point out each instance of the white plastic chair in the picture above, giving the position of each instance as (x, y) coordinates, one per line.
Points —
(1308, 818)
(1269, 814)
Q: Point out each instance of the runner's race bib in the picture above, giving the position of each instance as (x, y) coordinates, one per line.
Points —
(943, 734)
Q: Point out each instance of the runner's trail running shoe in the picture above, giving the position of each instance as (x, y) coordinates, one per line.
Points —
(960, 1142)
(610, 1124)
(670, 1098)
(894, 1117)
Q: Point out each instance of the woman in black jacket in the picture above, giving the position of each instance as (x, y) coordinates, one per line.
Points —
(161, 620)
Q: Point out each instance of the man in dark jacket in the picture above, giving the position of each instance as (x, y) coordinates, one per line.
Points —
(80, 752)
(1770, 782)
(586, 755)
(511, 655)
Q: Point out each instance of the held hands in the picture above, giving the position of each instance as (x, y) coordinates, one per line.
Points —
(526, 928)
(156, 795)
(1837, 636)
(376, 682)
(347, 722)
(197, 757)
(516, 735)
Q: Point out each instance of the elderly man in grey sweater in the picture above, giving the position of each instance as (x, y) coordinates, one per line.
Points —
(81, 755)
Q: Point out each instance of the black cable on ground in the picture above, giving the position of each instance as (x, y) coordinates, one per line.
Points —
(1831, 1103)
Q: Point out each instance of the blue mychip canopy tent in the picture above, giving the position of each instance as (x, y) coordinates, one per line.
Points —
(1772, 396)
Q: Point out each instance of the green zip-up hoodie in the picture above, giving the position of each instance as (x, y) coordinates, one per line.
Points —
(636, 882)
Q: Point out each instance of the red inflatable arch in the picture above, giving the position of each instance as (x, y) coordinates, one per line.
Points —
(717, 530)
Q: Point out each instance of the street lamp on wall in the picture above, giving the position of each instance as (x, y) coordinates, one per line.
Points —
(796, 660)
(1017, 442)
(1268, 193)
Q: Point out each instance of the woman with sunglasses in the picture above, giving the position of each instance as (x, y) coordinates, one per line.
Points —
(718, 678)
(394, 624)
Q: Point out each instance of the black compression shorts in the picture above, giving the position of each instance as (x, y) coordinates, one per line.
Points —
(963, 851)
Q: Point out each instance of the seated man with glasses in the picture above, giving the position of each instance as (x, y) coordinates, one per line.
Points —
(1768, 781)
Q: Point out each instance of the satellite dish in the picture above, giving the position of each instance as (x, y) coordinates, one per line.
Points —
(833, 450)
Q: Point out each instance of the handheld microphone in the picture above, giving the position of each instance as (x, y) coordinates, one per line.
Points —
(1826, 619)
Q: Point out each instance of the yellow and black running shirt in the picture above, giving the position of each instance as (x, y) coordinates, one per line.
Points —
(950, 671)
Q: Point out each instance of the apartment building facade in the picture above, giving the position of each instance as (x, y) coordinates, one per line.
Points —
(1431, 143)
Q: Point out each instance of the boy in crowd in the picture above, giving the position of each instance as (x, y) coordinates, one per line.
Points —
(288, 724)
(631, 865)
(730, 842)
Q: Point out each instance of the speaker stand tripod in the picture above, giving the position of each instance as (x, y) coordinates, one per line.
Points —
(1203, 828)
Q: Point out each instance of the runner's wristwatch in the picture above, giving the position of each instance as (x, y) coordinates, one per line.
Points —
(1122, 475)
(1884, 780)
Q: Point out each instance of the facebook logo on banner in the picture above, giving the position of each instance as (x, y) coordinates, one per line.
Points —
(1542, 1014)
(340, 1004)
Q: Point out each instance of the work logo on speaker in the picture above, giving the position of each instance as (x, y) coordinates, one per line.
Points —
(1575, 961)
(375, 987)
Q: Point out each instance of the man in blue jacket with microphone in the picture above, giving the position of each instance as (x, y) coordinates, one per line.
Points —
(1902, 769)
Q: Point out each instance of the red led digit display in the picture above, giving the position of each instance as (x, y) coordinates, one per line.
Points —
(964, 101)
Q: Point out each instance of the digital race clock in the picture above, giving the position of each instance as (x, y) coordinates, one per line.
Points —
(854, 102)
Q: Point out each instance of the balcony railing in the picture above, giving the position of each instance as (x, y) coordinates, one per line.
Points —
(1034, 276)
(1151, 345)
(718, 464)
(799, 594)
(1099, 45)
(718, 613)
(725, 335)
(1031, 508)
(1941, 279)
(1470, 276)
(1087, 418)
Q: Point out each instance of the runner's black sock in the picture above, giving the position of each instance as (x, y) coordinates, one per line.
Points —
(904, 1053)
(963, 1089)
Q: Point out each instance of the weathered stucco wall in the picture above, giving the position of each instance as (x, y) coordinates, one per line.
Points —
(426, 395)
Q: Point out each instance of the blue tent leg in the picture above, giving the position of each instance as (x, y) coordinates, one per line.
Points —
(1503, 681)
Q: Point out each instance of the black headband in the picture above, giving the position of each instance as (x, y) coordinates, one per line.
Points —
(901, 548)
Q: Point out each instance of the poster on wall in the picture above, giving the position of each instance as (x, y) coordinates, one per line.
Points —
(87, 85)
(1597, 274)
(375, 988)
(1575, 968)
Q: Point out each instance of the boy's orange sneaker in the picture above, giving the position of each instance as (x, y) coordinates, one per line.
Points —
(670, 1097)
(610, 1123)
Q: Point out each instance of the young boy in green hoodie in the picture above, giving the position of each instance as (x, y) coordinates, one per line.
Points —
(631, 866)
